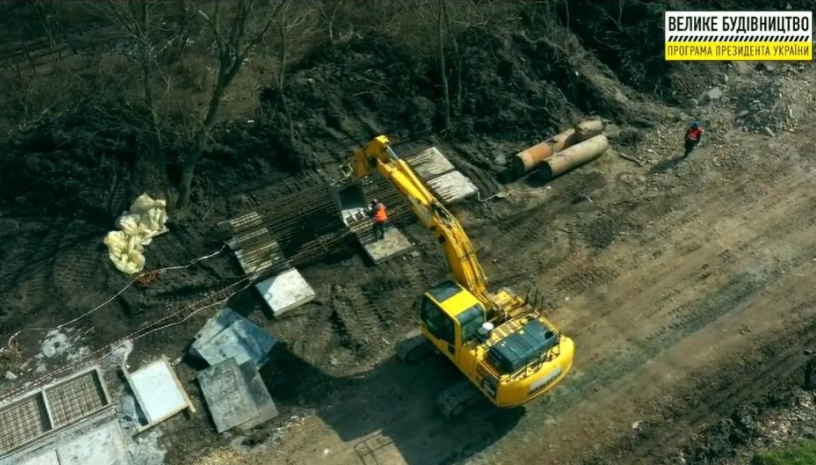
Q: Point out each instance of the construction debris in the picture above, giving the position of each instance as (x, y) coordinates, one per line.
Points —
(229, 335)
(158, 393)
(145, 220)
(236, 395)
(632, 159)
(285, 292)
(574, 156)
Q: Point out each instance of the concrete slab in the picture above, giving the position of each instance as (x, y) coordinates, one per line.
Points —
(236, 395)
(393, 245)
(285, 291)
(49, 458)
(260, 395)
(430, 164)
(452, 187)
(99, 441)
(103, 446)
(158, 391)
(228, 335)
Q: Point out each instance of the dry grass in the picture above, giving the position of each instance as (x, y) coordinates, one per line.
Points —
(11, 358)
(230, 457)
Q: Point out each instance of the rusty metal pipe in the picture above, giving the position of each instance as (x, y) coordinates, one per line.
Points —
(574, 156)
(526, 160)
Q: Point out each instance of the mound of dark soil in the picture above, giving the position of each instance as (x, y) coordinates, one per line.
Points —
(503, 86)
(64, 167)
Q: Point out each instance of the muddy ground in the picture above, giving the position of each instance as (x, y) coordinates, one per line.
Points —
(685, 283)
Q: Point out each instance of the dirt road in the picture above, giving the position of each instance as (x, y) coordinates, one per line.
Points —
(700, 278)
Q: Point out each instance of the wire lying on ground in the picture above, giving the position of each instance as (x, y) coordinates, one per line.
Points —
(111, 299)
(144, 330)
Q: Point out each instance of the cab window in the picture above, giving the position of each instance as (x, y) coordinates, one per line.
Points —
(471, 320)
(437, 321)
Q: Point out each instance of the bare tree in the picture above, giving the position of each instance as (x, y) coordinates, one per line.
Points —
(442, 69)
(288, 20)
(327, 17)
(457, 58)
(135, 22)
(233, 47)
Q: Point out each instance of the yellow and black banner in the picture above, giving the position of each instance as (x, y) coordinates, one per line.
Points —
(738, 35)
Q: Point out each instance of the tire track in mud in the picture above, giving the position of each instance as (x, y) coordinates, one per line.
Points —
(31, 286)
(748, 292)
(368, 316)
(789, 357)
(16, 259)
(691, 317)
(75, 267)
(694, 275)
(686, 321)
(691, 248)
(355, 319)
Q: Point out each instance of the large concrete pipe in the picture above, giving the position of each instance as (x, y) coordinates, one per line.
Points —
(574, 156)
(528, 159)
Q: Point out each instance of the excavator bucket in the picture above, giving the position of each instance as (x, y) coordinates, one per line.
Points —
(351, 202)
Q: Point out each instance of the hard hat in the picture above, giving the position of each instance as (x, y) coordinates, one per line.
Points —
(375, 201)
(695, 125)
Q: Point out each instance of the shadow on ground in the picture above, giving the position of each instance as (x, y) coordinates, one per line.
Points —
(665, 165)
(390, 411)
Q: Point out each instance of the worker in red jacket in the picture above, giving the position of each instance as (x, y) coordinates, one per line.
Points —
(693, 135)
(380, 216)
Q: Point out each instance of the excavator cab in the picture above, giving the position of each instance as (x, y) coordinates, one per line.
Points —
(450, 317)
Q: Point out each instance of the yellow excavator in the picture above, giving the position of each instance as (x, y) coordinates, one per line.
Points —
(505, 346)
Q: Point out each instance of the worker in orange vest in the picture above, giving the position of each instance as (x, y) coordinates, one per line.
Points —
(380, 216)
(693, 135)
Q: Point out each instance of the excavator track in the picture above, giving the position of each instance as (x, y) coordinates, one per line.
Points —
(413, 347)
(454, 400)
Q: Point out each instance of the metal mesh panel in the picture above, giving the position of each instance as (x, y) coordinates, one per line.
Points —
(23, 421)
(75, 399)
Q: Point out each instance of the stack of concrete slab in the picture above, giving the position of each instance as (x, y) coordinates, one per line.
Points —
(228, 335)
(438, 173)
(452, 187)
(430, 163)
(285, 291)
(236, 395)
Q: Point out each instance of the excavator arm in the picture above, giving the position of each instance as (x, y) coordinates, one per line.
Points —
(378, 155)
